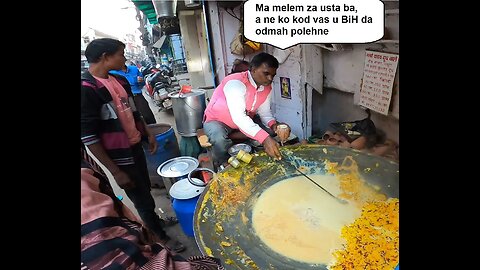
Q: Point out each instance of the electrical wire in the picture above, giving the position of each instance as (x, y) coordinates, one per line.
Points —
(233, 14)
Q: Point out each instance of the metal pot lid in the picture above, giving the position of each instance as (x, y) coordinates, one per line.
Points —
(183, 190)
(176, 167)
(194, 92)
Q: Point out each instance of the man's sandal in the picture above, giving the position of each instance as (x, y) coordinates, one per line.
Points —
(169, 221)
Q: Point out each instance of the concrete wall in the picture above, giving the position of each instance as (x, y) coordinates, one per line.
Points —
(302, 65)
(223, 29)
(337, 106)
(343, 70)
(343, 73)
(290, 110)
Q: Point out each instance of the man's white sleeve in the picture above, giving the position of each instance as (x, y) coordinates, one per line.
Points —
(235, 92)
(265, 113)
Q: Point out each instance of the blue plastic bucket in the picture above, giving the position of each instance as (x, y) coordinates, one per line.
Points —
(167, 149)
(185, 209)
(185, 194)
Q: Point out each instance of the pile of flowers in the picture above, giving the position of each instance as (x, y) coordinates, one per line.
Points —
(372, 240)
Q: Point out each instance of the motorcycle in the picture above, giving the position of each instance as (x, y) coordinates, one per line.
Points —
(160, 83)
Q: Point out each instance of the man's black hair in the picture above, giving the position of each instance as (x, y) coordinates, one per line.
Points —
(266, 58)
(98, 47)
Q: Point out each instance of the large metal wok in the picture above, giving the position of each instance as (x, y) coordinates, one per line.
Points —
(223, 216)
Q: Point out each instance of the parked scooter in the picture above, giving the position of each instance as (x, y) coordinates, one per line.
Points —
(148, 73)
(159, 84)
(145, 70)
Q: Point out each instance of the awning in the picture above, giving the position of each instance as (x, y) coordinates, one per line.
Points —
(146, 6)
(160, 42)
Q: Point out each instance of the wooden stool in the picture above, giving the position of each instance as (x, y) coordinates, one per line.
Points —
(205, 160)
(203, 139)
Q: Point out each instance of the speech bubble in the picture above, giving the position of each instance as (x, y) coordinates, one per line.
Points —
(284, 23)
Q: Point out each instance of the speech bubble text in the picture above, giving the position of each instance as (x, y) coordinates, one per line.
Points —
(284, 23)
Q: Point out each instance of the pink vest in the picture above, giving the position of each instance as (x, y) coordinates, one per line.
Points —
(217, 109)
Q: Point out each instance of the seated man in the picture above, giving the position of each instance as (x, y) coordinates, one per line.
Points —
(234, 104)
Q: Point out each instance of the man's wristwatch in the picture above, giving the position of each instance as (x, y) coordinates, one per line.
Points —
(274, 126)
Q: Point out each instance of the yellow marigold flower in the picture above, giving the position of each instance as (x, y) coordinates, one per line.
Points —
(372, 239)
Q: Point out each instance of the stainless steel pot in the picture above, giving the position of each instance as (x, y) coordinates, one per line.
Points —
(188, 110)
(176, 169)
(199, 175)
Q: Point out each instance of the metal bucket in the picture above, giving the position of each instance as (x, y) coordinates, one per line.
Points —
(165, 8)
(188, 110)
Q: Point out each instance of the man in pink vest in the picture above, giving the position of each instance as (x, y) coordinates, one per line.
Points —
(238, 98)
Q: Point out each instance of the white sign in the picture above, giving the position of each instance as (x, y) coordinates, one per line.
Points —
(378, 75)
